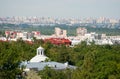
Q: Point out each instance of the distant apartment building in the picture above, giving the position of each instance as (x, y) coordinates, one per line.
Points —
(60, 33)
(81, 31)
(18, 34)
(10, 34)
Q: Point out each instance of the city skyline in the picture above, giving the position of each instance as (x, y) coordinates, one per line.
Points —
(61, 8)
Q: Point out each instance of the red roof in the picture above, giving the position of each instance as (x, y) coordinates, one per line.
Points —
(7, 32)
(58, 41)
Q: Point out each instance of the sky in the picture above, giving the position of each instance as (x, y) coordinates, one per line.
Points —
(60, 8)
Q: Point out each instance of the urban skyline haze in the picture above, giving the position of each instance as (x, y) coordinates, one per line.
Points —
(61, 8)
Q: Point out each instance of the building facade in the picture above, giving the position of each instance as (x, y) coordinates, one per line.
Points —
(60, 33)
(81, 31)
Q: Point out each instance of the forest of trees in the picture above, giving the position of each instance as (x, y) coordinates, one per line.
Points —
(92, 61)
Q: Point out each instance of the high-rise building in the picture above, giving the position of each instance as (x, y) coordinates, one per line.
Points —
(60, 33)
(81, 31)
(57, 31)
(64, 33)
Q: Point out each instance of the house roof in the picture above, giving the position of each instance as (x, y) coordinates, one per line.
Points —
(52, 64)
(38, 58)
(41, 48)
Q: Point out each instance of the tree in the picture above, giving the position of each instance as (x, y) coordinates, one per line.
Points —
(9, 61)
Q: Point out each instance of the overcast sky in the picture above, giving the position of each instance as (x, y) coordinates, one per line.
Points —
(61, 8)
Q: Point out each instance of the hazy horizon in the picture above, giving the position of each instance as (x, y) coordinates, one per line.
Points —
(61, 8)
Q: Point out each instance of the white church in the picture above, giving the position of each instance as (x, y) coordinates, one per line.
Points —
(38, 62)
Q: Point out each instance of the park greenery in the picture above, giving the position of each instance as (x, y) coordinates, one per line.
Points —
(92, 61)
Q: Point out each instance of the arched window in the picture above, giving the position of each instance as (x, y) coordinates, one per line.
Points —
(41, 52)
(38, 52)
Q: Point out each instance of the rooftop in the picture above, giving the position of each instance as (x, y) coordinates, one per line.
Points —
(51, 64)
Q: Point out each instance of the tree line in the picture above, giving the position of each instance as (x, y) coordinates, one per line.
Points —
(92, 61)
(71, 30)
